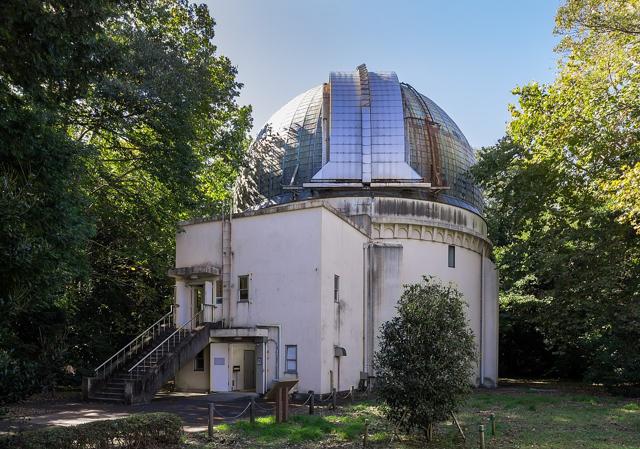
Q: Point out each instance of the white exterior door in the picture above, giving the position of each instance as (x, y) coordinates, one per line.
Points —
(220, 367)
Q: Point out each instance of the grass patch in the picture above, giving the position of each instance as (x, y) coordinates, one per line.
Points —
(525, 419)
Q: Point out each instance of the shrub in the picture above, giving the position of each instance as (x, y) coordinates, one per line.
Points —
(424, 365)
(144, 431)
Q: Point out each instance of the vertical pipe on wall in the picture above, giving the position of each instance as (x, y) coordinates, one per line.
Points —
(481, 337)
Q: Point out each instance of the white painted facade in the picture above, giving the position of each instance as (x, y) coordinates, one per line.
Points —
(291, 254)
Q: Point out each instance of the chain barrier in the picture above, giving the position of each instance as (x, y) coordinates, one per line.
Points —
(345, 396)
(264, 409)
(307, 401)
(232, 417)
(320, 400)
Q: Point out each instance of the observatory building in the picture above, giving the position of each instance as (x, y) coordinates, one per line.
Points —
(352, 189)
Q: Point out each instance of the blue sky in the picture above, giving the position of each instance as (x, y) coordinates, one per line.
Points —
(465, 55)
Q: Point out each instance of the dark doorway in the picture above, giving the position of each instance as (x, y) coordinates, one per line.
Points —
(249, 370)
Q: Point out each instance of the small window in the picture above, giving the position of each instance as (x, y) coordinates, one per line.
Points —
(243, 288)
(291, 364)
(336, 288)
(218, 292)
(452, 256)
(198, 362)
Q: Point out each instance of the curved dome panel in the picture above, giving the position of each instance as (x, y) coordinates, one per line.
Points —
(362, 129)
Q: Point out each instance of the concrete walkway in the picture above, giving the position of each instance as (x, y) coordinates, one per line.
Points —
(191, 407)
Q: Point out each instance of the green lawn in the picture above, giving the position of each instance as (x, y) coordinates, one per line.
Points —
(526, 418)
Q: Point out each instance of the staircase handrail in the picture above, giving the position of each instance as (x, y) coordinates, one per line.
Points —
(139, 338)
(173, 334)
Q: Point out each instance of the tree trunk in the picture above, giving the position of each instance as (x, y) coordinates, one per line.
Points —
(429, 432)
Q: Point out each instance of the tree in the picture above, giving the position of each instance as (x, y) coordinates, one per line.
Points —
(424, 364)
(50, 52)
(117, 120)
(563, 197)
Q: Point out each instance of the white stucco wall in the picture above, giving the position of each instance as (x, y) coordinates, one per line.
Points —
(188, 379)
(292, 256)
(342, 254)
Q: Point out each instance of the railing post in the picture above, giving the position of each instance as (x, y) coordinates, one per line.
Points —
(210, 427)
(365, 434)
(311, 401)
(481, 430)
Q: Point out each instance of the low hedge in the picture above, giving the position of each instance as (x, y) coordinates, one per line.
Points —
(144, 431)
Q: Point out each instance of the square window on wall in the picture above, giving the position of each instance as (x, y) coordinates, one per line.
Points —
(291, 359)
(243, 287)
(198, 361)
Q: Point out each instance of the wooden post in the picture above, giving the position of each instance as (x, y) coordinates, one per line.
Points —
(334, 396)
(311, 401)
(493, 424)
(252, 411)
(351, 394)
(210, 428)
(365, 434)
(285, 393)
(481, 430)
(455, 420)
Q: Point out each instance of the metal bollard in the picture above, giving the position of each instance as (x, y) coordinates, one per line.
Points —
(333, 398)
(493, 424)
(311, 401)
(365, 435)
(252, 411)
(481, 430)
(210, 428)
(351, 394)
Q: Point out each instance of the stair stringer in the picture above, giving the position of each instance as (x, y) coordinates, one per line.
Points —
(143, 390)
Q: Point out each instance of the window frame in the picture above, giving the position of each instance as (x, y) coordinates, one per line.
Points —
(219, 298)
(240, 289)
(451, 256)
(294, 360)
(199, 356)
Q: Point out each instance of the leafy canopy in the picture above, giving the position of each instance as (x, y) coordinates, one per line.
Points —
(118, 119)
(562, 200)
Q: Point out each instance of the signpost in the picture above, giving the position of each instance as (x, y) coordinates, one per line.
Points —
(280, 393)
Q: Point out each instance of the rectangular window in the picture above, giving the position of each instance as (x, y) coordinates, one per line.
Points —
(291, 363)
(243, 288)
(452, 256)
(336, 288)
(218, 292)
(198, 362)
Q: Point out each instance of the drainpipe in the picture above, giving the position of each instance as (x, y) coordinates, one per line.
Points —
(482, 315)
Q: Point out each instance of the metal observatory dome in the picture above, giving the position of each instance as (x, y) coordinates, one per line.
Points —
(361, 132)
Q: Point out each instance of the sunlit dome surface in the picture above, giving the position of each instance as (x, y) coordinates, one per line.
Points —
(363, 131)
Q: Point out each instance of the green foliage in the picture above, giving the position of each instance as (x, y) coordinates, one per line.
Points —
(522, 346)
(144, 431)
(424, 364)
(562, 199)
(117, 120)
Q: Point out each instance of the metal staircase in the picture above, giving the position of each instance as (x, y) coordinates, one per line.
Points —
(137, 371)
